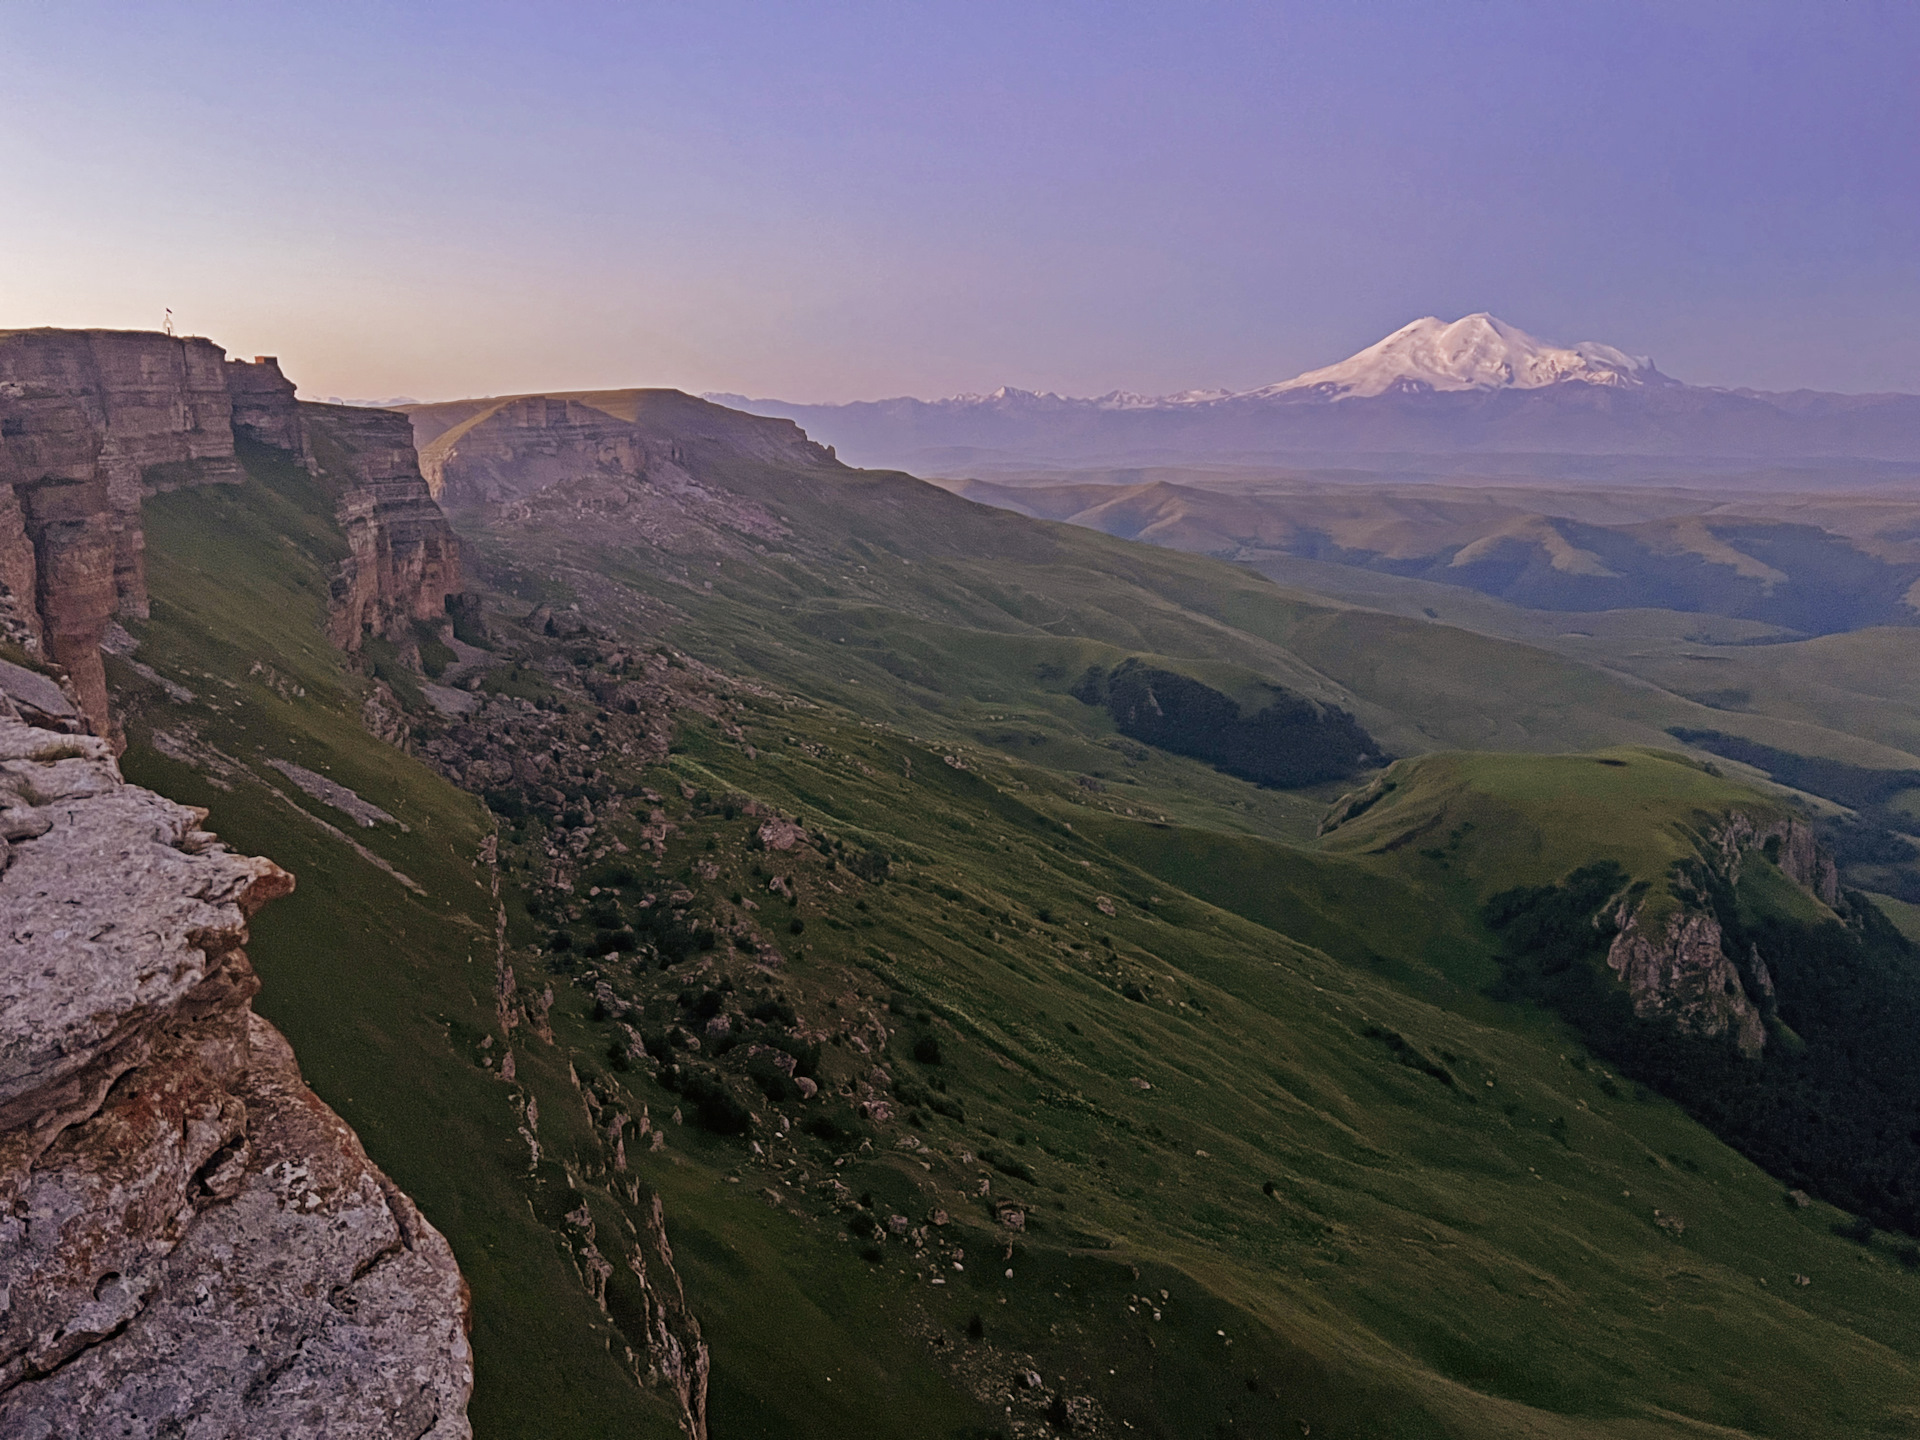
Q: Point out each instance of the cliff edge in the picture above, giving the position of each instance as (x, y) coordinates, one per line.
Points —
(90, 422)
(190, 1241)
(483, 452)
(405, 559)
(94, 421)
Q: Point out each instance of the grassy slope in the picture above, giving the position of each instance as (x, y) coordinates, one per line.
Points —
(1434, 1259)
(384, 994)
(1488, 1258)
(1851, 697)
(888, 581)
(1864, 684)
(1475, 824)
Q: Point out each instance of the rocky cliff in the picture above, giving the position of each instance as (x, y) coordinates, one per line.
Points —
(405, 559)
(477, 452)
(1676, 966)
(191, 1243)
(265, 407)
(91, 421)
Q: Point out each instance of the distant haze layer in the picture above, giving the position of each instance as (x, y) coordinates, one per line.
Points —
(1470, 387)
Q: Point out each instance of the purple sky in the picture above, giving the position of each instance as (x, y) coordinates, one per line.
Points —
(835, 201)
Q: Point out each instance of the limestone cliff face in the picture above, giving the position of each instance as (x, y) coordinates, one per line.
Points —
(528, 444)
(90, 421)
(406, 558)
(191, 1243)
(1680, 970)
(493, 451)
(264, 405)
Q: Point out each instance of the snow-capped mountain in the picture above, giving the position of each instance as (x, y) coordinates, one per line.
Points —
(1477, 352)
(1475, 385)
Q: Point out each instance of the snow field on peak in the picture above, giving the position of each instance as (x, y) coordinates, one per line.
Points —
(1476, 352)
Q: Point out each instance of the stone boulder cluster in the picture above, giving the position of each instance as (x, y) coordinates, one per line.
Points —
(191, 1243)
(92, 422)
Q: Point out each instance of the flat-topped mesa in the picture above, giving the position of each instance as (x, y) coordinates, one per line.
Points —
(476, 452)
(190, 1241)
(90, 422)
(405, 560)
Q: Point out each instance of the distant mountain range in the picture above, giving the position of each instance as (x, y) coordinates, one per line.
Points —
(1473, 386)
(1807, 565)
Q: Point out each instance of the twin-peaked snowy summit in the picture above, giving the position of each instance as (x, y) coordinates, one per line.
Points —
(1476, 352)
(1434, 387)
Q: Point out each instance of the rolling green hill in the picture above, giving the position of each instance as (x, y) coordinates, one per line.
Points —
(1209, 1127)
(1807, 564)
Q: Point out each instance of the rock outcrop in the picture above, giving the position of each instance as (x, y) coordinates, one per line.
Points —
(677, 1356)
(1789, 843)
(1676, 967)
(477, 452)
(191, 1243)
(1684, 975)
(265, 407)
(405, 559)
(90, 421)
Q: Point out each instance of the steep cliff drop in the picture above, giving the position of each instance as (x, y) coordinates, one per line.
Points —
(405, 558)
(92, 421)
(190, 1241)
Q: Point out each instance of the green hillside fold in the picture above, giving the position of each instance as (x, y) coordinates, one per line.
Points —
(999, 1067)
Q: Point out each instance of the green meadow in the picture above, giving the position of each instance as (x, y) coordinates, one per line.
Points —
(1285, 1166)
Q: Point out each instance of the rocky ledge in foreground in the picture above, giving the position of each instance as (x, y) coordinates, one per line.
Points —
(191, 1243)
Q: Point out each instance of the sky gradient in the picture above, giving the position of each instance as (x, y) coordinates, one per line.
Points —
(831, 202)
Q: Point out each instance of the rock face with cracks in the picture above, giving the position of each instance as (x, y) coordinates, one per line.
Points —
(1678, 968)
(91, 421)
(405, 558)
(191, 1243)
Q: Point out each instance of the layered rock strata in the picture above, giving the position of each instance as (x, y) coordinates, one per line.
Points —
(1676, 967)
(405, 559)
(90, 421)
(265, 407)
(191, 1243)
(479, 452)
